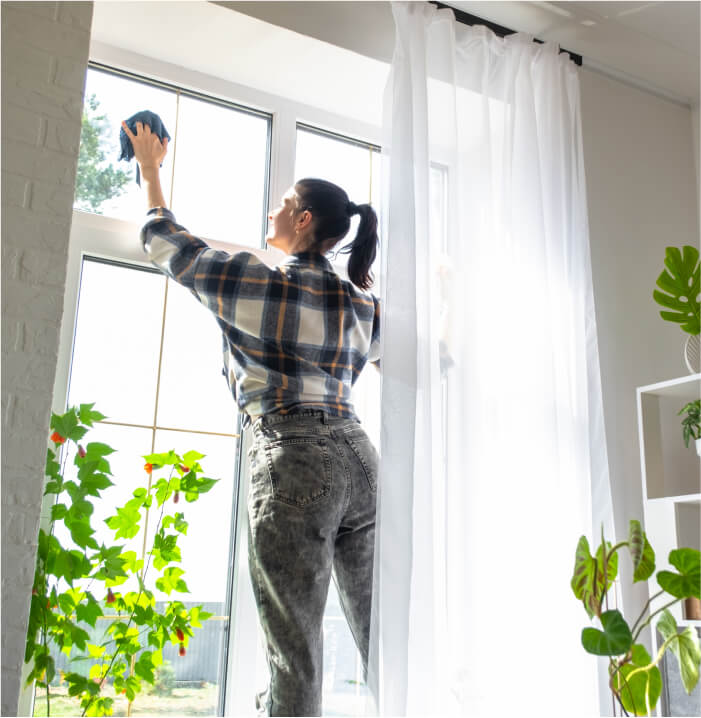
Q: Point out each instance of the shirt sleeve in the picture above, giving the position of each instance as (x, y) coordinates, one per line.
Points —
(212, 276)
(375, 345)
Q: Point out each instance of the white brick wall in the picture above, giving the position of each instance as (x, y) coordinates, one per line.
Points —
(45, 49)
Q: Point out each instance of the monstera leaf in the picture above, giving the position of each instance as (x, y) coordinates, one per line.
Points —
(682, 284)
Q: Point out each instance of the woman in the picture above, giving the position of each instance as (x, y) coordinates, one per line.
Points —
(296, 337)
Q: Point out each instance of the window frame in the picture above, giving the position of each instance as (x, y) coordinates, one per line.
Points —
(115, 240)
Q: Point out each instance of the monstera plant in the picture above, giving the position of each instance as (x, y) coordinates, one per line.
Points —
(634, 678)
(681, 285)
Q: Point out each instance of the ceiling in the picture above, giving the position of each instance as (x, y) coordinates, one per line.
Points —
(650, 43)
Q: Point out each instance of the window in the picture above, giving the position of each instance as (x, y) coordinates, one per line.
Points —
(150, 357)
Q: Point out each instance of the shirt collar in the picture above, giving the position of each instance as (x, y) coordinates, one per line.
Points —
(308, 259)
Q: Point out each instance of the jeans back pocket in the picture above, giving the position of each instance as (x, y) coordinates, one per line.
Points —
(300, 470)
(367, 456)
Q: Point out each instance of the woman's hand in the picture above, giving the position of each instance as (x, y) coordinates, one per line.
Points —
(148, 149)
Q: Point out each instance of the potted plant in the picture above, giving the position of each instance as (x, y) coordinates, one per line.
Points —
(634, 678)
(692, 423)
(680, 283)
(73, 584)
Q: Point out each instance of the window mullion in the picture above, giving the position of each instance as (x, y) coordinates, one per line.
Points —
(282, 154)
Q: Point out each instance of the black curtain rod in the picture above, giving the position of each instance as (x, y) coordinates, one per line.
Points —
(499, 30)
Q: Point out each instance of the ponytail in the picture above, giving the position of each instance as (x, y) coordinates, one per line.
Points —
(331, 211)
(363, 249)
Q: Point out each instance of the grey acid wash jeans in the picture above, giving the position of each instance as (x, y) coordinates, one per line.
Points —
(311, 510)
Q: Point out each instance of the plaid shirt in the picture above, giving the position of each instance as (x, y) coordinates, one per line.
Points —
(296, 335)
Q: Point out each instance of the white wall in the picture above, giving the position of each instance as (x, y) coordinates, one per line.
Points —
(44, 56)
(695, 127)
(642, 197)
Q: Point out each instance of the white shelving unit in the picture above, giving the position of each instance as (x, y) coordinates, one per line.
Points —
(671, 475)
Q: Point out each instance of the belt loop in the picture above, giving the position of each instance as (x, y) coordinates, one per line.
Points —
(324, 417)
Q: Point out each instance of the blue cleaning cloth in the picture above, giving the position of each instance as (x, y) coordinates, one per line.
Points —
(146, 117)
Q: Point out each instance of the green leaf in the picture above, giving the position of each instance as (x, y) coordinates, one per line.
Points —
(171, 581)
(96, 651)
(89, 610)
(639, 687)
(686, 583)
(193, 485)
(58, 511)
(588, 577)
(95, 450)
(641, 552)
(133, 687)
(165, 550)
(191, 458)
(684, 646)
(76, 683)
(81, 533)
(95, 483)
(88, 416)
(66, 602)
(125, 523)
(169, 458)
(144, 666)
(680, 281)
(69, 565)
(131, 562)
(615, 640)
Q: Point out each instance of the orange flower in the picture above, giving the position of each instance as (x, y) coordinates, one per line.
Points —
(176, 497)
(81, 451)
(148, 468)
(57, 438)
(179, 633)
(181, 651)
(110, 596)
(184, 468)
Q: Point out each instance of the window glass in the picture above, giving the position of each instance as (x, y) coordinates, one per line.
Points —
(115, 365)
(193, 391)
(220, 172)
(117, 341)
(205, 548)
(104, 184)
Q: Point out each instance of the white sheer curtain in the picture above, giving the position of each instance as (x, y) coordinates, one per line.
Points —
(493, 453)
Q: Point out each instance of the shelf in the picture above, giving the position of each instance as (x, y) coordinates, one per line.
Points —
(669, 468)
(680, 499)
(678, 388)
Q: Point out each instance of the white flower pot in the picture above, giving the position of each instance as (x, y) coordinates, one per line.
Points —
(698, 446)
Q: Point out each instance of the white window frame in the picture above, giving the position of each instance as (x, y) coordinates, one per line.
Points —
(114, 239)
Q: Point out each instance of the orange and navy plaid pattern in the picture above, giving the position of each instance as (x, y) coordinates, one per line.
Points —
(294, 336)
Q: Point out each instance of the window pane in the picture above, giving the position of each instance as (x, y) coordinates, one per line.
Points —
(205, 561)
(127, 466)
(194, 393)
(103, 184)
(117, 340)
(220, 172)
(205, 548)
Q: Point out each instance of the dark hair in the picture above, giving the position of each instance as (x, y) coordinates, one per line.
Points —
(332, 210)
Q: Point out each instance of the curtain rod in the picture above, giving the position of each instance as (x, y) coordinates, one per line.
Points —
(499, 30)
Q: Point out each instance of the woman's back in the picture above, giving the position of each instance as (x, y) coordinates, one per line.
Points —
(299, 335)
(293, 335)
